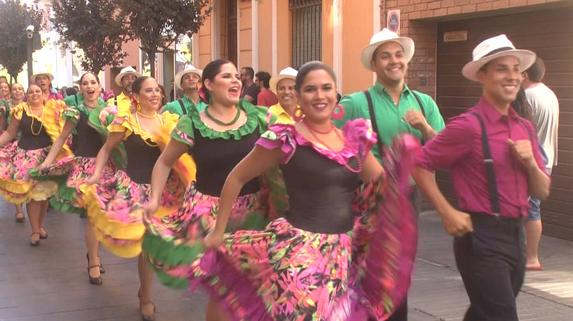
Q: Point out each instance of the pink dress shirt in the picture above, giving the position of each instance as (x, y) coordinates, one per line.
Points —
(458, 148)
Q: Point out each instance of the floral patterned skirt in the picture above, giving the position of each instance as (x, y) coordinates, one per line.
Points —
(115, 208)
(175, 241)
(16, 186)
(289, 274)
(71, 172)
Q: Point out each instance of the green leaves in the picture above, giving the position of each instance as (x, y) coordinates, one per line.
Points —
(14, 18)
(99, 28)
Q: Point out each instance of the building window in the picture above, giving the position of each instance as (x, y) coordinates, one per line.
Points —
(306, 31)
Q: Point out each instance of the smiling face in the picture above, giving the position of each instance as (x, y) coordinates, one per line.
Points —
(317, 96)
(149, 95)
(34, 94)
(90, 87)
(286, 93)
(225, 88)
(4, 90)
(389, 63)
(17, 92)
(501, 79)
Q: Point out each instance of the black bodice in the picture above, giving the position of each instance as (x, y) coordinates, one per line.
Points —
(87, 141)
(215, 158)
(141, 158)
(320, 192)
(33, 135)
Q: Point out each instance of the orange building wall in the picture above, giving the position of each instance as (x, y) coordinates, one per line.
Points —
(265, 31)
(245, 33)
(327, 32)
(284, 38)
(356, 34)
(205, 50)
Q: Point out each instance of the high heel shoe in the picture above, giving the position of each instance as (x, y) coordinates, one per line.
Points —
(43, 233)
(34, 242)
(94, 280)
(101, 268)
(146, 315)
(19, 217)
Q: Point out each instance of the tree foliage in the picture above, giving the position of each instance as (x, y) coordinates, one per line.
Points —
(157, 24)
(14, 18)
(99, 28)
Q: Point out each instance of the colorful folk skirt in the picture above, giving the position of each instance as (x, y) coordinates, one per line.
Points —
(71, 172)
(289, 274)
(16, 185)
(176, 241)
(115, 209)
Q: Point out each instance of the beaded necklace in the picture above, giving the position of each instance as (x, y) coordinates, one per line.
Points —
(313, 133)
(220, 122)
(156, 116)
(29, 111)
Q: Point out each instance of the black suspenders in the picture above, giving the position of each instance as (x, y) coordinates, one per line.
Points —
(182, 106)
(489, 169)
(375, 123)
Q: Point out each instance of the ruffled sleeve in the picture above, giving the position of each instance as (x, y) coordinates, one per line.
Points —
(71, 114)
(17, 111)
(99, 119)
(183, 131)
(185, 165)
(119, 122)
(280, 136)
(359, 136)
(52, 119)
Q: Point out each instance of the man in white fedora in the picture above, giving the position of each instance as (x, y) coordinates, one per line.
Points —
(495, 162)
(392, 107)
(44, 80)
(124, 80)
(188, 80)
(282, 85)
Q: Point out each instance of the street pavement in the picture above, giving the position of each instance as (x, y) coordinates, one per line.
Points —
(50, 283)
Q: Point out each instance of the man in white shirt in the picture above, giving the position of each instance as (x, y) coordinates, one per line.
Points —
(545, 117)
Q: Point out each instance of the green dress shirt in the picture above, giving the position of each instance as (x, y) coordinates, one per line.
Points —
(175, 107)
(390, 116)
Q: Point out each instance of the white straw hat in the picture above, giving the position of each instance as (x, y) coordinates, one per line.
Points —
(287, 73)
(492, 48)
(188, 70)
(382, 37)
(42, 73)
(124, 71)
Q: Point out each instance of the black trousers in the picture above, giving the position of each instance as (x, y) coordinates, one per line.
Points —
(491, 261)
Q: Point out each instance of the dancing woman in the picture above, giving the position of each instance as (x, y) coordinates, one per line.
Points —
(114, 204)
(15, 98)
(318, 262)
(76, 169)
(38, 125)
(217, 138)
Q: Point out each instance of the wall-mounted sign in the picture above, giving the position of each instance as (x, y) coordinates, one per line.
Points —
(393, 20)
(453, 36)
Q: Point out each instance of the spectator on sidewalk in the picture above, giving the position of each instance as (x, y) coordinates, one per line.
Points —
(189, 81)
(392, 107)
(545, 118)
(44, 80)
(125, 80)
(250, 90)
(495, 163)
(265, 97)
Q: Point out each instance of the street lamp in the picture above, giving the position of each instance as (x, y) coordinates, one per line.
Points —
(30, 35)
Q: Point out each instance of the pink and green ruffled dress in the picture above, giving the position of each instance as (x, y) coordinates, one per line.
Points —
(176, 239)
(344, 251)
(17, 158)
(115, 205)
(72, 171)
